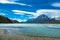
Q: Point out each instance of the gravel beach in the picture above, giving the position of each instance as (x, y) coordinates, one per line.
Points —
(22, 37)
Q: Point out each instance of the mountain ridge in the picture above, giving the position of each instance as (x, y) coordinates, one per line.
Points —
(7, 20)
(43, 19)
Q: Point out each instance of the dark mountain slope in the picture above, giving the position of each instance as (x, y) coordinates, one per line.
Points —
(7, 20)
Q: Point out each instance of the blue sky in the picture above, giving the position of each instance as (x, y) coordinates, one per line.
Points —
(23, 10)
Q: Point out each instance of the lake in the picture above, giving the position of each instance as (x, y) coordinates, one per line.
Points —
(48, 30)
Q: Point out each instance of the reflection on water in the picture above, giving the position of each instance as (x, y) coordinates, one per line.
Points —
(34, 30)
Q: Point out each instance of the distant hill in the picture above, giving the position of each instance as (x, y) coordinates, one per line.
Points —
(7, 20)
(43, 19)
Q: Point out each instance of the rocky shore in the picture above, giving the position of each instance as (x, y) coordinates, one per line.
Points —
(21, 37)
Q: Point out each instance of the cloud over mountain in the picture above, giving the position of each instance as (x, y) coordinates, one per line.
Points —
(49, 12)
(23, 10)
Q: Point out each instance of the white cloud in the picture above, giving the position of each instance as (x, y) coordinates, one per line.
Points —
(56, 4)
(20, 12)
(13, 2)
(49, 12)
(2, 14)
(18, 19)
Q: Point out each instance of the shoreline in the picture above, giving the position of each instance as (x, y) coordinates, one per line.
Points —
(23, 37)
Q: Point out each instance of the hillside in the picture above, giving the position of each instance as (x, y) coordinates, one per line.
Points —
(7, 20)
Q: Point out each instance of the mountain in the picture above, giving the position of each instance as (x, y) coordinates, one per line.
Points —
(57, 18)
(41, 19)
(7, 20)
(15, 21)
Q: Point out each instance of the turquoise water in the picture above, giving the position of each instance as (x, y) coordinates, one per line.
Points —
(41, 31)
(49, 30)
